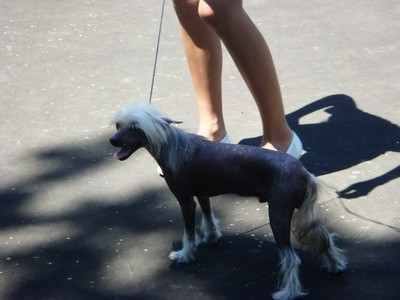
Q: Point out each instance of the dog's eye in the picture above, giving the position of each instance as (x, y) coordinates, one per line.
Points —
(117, 126)
(135, 128)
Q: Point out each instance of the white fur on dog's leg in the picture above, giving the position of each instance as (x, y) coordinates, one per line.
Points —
(198, 240)
(334, 260)
(210, 230)
(290, 288)
(186, 254)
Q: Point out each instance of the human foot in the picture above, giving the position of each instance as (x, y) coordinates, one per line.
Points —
(292, 147)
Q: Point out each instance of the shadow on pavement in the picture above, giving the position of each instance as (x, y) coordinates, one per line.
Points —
(244, 270)
(349, 137)
(56, 165)
(65, 254)
(110, 235)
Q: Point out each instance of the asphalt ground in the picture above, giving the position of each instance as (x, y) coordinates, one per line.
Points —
(76, 224)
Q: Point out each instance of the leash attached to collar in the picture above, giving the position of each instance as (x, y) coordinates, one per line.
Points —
(156, 54)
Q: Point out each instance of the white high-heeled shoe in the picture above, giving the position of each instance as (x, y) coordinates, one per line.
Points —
(225, 139)
(296, 147)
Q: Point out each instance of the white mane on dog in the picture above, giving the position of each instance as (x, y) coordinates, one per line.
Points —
(168, 143)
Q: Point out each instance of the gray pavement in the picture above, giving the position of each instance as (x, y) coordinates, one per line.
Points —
(76, 224)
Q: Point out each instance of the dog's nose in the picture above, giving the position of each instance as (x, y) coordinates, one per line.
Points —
(114, 142)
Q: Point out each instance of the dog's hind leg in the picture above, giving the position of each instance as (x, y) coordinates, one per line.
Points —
(190, 239)
(280, 220)
(334, 260)
(209, 224)
(313, 235)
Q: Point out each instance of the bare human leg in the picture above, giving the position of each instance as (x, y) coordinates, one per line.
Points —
(203, 52)
(203, 23)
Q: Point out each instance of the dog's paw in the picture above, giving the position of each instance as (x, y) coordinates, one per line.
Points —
(210, 230)
(181, 256)
(334, 260)
(198, 240)
(212, 237)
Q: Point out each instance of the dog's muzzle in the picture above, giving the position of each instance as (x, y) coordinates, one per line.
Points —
(126, 149)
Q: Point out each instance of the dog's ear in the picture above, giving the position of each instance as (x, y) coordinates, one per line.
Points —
(169, 121)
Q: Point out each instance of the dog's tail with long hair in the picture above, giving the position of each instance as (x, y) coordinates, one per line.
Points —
(310, 232)
(307, 225)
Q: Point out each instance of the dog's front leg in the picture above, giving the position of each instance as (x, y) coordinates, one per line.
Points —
(209, 224)
(190, 240)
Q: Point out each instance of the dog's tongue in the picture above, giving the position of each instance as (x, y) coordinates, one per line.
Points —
(116, 155)
(121, 153)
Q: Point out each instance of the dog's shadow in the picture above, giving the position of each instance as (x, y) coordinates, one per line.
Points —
(237, 267)
(347, 138)
(246, 267)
